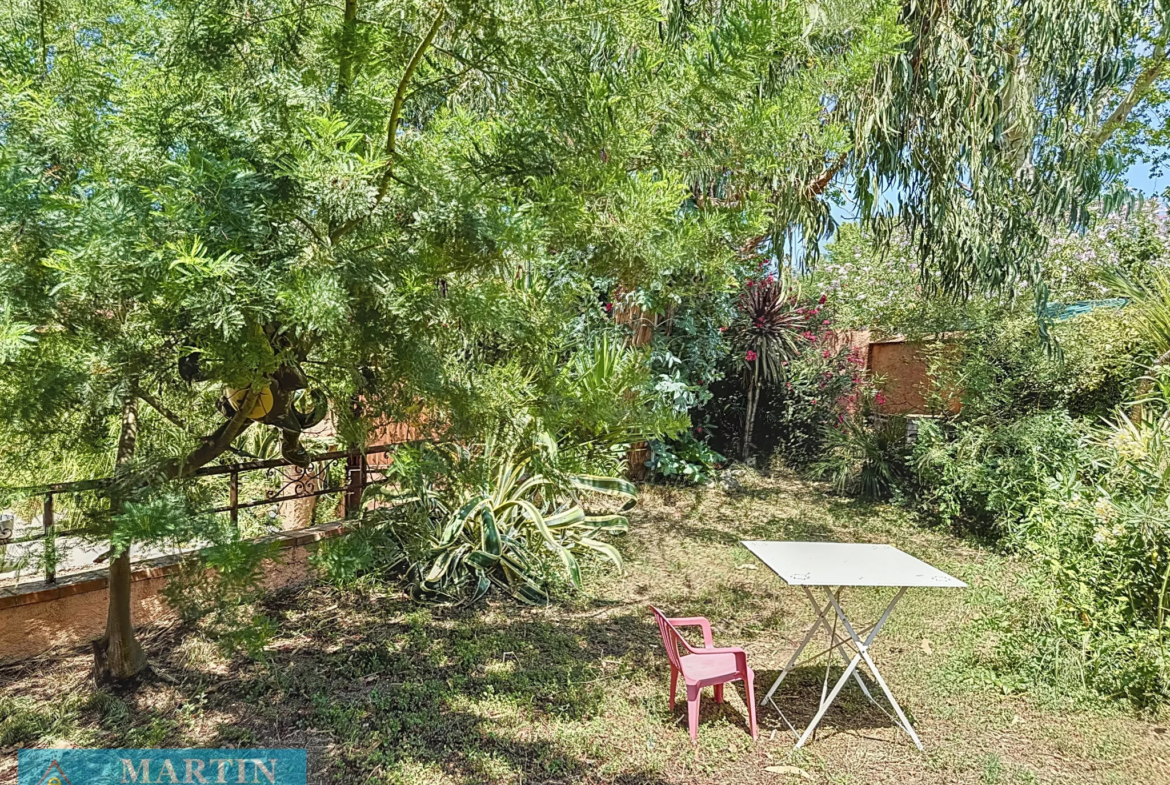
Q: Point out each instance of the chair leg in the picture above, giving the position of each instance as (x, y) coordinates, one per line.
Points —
(749, 689)
(719, 693)
(693, 694)
(673, 685)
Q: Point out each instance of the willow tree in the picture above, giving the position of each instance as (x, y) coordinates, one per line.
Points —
(209, 204)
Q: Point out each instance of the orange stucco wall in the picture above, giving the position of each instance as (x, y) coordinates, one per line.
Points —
(902, 368)
(39, 617)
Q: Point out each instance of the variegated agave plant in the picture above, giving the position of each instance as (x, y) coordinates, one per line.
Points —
(501, 531)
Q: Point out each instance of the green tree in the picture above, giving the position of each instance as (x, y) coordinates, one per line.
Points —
(399, 203)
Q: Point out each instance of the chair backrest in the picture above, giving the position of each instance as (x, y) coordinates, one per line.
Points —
(671, 637)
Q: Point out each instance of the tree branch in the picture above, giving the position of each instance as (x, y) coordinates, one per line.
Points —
(392, 126)
(166, 413)
(818, 186)
(1137, 92)
(400, 99)
(309, 226)
(217, 443)
(345, 76)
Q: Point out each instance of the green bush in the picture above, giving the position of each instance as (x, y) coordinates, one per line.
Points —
(985, 475)
(1100, 535)
(816, 390)
(453, 522)
(1005, 370)
(688, 460)
(865, 460)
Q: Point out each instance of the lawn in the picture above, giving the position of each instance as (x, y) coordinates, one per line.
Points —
(381, 690)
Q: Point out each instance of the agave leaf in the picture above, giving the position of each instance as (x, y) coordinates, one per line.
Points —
(509, 474)
(571, 566)
(516, 554)
(482, 559)
(611, 524)
(529, 485)
(610, 486)
(537, 519)
(604, 548)
(491, 535)
(439, 568)
(481, 588)
(545, 442)
(460, 520)
(530, 593)
(573, 516)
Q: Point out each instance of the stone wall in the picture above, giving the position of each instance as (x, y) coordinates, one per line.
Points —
(38, 617)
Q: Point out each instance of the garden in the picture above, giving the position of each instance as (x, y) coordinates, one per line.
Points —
(370, 371)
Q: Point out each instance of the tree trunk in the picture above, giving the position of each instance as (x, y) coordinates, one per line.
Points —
(117, 655)
(749, 420)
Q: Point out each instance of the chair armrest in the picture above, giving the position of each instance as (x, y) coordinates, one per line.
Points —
(696, 621)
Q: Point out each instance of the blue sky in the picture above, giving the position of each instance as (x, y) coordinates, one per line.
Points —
(1139, 177)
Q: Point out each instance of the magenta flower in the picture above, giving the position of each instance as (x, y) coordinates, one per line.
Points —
(750, 356)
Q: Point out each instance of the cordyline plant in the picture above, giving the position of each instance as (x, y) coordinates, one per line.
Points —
(768, 332)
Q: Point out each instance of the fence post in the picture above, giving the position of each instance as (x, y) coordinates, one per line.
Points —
(49, 523)
(234, 499)
(355, 464)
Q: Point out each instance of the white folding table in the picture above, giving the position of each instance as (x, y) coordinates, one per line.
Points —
(831, 566)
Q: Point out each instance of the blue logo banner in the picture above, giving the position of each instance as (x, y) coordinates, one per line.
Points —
(152, 767)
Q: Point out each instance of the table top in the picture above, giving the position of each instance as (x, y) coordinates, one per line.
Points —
(847, 564)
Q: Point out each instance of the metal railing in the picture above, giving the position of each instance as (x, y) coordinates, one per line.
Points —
(307, 482)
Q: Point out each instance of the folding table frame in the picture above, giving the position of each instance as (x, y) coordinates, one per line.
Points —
(831, 567)
(838, 643)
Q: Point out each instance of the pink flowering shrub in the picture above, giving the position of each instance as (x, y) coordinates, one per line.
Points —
(820, 385)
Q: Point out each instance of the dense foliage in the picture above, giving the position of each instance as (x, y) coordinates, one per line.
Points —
(818, 382)
(454, 521)
(1057, 451)
(248, 215)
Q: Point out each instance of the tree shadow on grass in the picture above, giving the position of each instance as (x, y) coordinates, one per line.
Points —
(771, 529)
(386, 688)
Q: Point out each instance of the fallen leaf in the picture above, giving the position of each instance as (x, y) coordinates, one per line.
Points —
(926, 647)
(788, 770)
(747, 567)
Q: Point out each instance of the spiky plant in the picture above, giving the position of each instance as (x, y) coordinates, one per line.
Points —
(498, 526)
(768, 332)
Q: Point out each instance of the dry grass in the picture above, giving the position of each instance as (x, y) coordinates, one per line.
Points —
(383, 691)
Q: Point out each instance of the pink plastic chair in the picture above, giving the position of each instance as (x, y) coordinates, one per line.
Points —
(704, 667)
